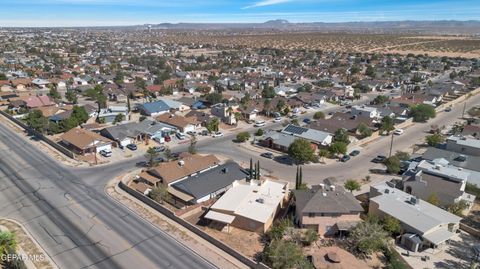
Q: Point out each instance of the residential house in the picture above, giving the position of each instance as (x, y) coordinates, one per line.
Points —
(250, 206)
(464, 145)
(365, 111)
(34, 101)
(135, 132)
(437, 178)
(327, 209)
(178, 122)
(429, 226)
(82, 141)
(153, 108)
(225, 112)
(206, 185)
(108, 115)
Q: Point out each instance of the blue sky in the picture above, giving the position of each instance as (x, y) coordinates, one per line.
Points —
(128, 12)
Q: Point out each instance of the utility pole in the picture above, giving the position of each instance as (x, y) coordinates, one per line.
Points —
(464, 108)
(391, 147)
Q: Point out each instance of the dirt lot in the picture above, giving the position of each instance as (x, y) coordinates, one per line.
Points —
(340, 42)
(247, 243)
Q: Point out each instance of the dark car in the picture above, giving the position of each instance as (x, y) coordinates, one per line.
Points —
(345, 158)
(167, 138)
(354, 153)
(379, 159)
(175, 155)
(204, 133)
(142, 164)
(132, 147)
(159, 149)
(307, 120)
(268, 155)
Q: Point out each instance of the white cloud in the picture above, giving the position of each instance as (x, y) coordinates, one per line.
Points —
(264, 3)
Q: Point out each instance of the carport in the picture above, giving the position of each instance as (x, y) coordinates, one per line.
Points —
(220, 217)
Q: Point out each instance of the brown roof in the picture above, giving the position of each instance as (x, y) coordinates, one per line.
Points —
(82, 138)
(18, 81)
(147, 177)
(175, 120)
(174, 170)
(48, 111)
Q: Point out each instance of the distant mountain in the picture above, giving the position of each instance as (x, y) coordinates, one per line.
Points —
(436, 27)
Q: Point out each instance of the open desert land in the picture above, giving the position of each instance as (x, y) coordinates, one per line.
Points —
(451, 46)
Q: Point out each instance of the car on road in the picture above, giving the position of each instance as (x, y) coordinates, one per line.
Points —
(180, 135)
(167, 138)
(354, 153)
(345, 158)
(142, 164)
(259, 123)
(192, 133)
(278, 119)
(379, 159)
(105, 153)
(267, 155)
(448, 109)
(159, 149)
(398, 132)
(132, 147)
(330, 113)
(307, 120)
(204, 133)
(217, 134)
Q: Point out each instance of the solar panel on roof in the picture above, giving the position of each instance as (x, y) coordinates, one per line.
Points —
(295, 129)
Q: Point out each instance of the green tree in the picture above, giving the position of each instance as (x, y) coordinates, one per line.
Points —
(214, 98)
(434, 139)
(159, 194)
(281, 254)
(268, 92)
(243, 136)
(212, 126)
(341, 135)
(168, 154)
(352, 185)
(402, 155)
(71, 96)
(391, 225)
(151, 155)
(301, 151)
(433, 199)
(458, 208)
(54, 93)
(393, 164)
(36, 121)
(338, 148)
(369, 237)
(192, 148)
(319, 115)
(259, 132)
(119, 118)
(323, 153)
(3, 76)
(8, 243)
(387, 124)
(364, 130)
(422, 112)
(278, 229)
(371, 71)
(380, 99)
(140, 83)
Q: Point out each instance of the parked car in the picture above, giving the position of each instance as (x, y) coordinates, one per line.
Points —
(217, 134)
(345, 158)
(142, 164)
(448, 109)
(167, 138)
(159, 149)
(307, 120)
(204, 133)
(379, 159)
(398, 132)
(278, 119)
(132, 147)
(354, 153)
(105, 153)
(180, 136)
(158, 159)
(192, 133)
(267, 155)
(159, 140)
(259, 123)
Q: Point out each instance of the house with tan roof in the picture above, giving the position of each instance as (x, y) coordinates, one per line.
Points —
(84, 141)
(179, 122)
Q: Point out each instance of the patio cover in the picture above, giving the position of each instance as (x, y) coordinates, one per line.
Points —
(220, 217)
(181, 195)
(439, 236)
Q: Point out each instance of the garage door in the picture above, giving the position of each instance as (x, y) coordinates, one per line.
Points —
(104, 147)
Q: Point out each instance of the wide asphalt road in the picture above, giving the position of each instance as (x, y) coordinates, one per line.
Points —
(72, 218)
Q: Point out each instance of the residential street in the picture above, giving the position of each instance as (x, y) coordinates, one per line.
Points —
(73, 219)
(355, 168)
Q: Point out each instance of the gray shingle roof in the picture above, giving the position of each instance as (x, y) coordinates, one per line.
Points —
(211, 181)
(318, 200)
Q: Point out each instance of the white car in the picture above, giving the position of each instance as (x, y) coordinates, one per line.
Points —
(398, 132)
(217, 134)
(259, 123)
(105, 153)
(277, 119)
